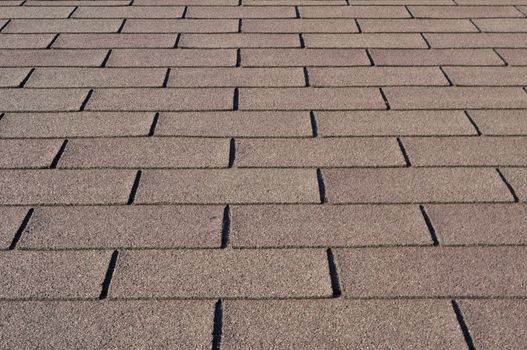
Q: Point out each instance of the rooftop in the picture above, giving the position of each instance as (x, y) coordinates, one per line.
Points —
(263, 174)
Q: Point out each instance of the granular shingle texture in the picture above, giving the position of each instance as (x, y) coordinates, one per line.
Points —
(263, 174)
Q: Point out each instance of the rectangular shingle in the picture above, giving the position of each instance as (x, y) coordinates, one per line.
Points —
(311, 98)
(304, 57)
(146, 153)
(467, 151)
(321, 225)
(464, 11)
(368, 40)
(65, 187)
(123, 227)
(114, 40)
(25, 41)
(514, 57)
(180, 25)
(393, 123)
(432, 272)
(318, 152)
(392, 25)
(94, 325)
(500, 122)
(129, 12)
(214, 186)
(28, 153)
(52, 275)
(470, 224)
(502, 24)
(236, 77)
(340, 324)
(26, 100)
(239, 40)
(487, 76)
(299, 25)
(69, 25)
(36, 58)
(435, 57)
(35, 12)
(77, 124)
(221, 273)
(414, 185)
(478, 40)
(456, 97)
(376, 76)
(241, 12)
(353, 12)
(160, 99)
(172, 57)
(235, 123)
(97, 77)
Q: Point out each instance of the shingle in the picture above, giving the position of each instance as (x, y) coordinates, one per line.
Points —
(180, 25)
(464, 11)
(172, 57)
(456, 97)
(236, 77)
(496, 324)
(146, 153)
(432, 272)
(390, 123)
(501, 122)
(467, 151)
(12, 77)
(303, 57)
(115, 40)
(234, 124)
(129, 12)
(321, 225)
(65, 187)
(213, 186)
(392, 25)
(340, 324)
(79, 124)
(491, 224)
(353, 12)
(514, 57)
(517, 178)
(46, 3)
(414, 185)
(153, 99)
(311, 98)
(25, 41)
(434, 57)
(123, 227)
(376, 76)
(53, 274)
(97, 77)
(35, 12)
(368, 40)
(239, 40)
(221, 273)
(240, 12)
(292, 2)
(119, 324)
(185, 2)
(36, 58)
(69, 25)
(478, 40)
(22, 100)
(28, 153)
(318, 152)
(488, 76)
(299, 25)
(502, 24)
(12, 218)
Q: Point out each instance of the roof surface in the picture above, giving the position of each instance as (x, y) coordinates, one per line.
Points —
(269, 174)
